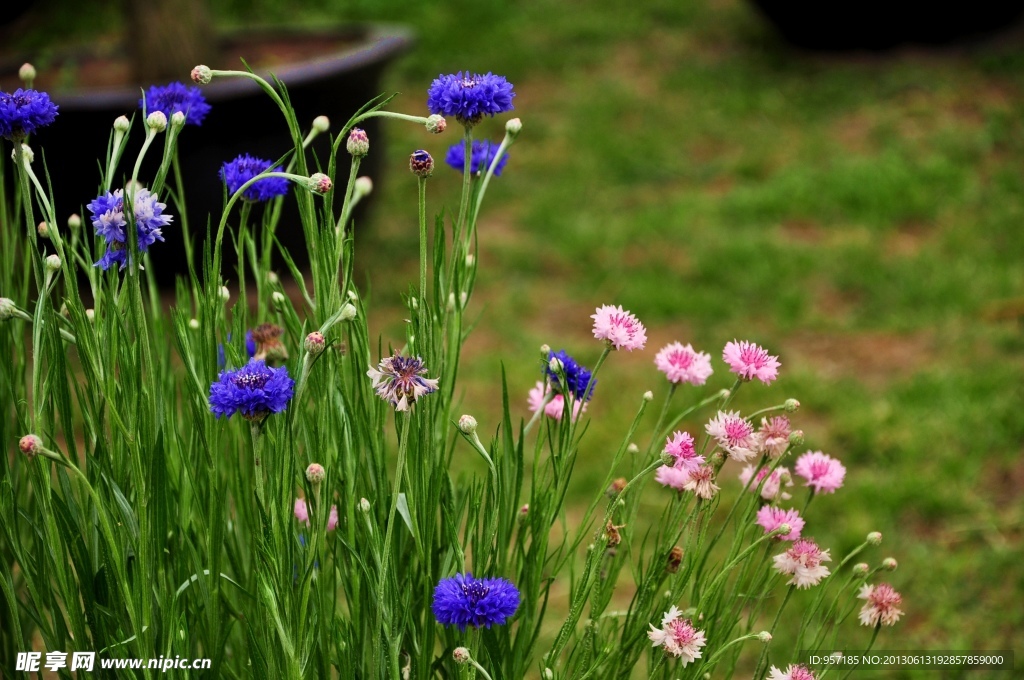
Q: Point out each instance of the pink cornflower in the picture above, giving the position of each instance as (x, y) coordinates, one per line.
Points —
(771, 518)
(734, 434)
(822, 472)
(680, 363)
(677, 636)
(554, 407)
(702, 482)
(803, 561)
(771, 490)
(621, 329)
(680, 447)
(882, 606)
(793, 672)
(750, 361)
(774, 436)
(332, 518)
(302, 514)
(673, 477)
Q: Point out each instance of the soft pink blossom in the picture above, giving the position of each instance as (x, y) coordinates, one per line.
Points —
(555, 406)
(702, 482)
(301, 510)
(680, 447)
(771, 518)
(734, 434)
(793, 672)
(771, 490)
(621, 329)
(676, 478)
(882, 606)
(677, 636)
(803, 561)
(750, 361)
(822, 472)
(680, 363)
(774, 436)
(332, 518)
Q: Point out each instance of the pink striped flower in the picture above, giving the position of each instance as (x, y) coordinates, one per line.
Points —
(774, 436)
(672, 477)
(680, 363)
(750, 361)
(680, 447)
(677, 636)
(621, 329)
(771, 490)
(771, 518)
(882, 606)
(822, 472)
(702, 482)
(803, 561)
(555, 406)
(792, 672)
(734, 434)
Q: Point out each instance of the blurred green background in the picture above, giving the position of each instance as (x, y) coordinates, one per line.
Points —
(859, 215)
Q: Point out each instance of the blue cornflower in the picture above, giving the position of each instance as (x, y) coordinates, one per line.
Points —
(175, 97)
(470, 96)
(109, 220)
(577, 376)
(255, 390)
(239, 171)
(480, 159)
(24, 111)
(400, 380)
(466, 601)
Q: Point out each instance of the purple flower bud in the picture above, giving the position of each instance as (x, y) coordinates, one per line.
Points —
(358, 144)
(421, 164)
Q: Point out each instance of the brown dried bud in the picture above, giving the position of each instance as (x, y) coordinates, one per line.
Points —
(675, 559)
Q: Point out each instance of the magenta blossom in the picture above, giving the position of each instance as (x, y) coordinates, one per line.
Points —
(734, 434)
(680, 363)
(621, 329)
(750, 361)
(771, 518)
(680, 447)
(823, 473)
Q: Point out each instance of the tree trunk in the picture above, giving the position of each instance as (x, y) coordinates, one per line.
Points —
(166, 38)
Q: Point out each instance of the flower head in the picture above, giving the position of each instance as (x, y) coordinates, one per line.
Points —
(774, 436)
(734, 434)
(177, 97)
(677, 636)
(673, 477)
(882, 606)
(824, 473)
(702, 482)
(750, 361)
(23, 111)
(680, 447)
(792, 672)
(680, 363)
(621, 329)
(30, 445)
(109, 220)
(243, 168)
(803, 561)
(255, 390)
(481, 157)
(577, 377)
(470, 96)
(301, 510)
(771, 518)
(771, 490)
(421, 164)
(269, 348)
(555, 405)
(400, 380)
(480, 602)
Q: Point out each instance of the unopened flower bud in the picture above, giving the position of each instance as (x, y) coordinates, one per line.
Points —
(202, 75)
(193, 324)
(315, 473)
(783, 529)
(461, 655)
(364, 506)
(121, 124)
(358, 143)
(278, 298)
(352, 295)
(30, 445)
(463, 299)
(724, 394)
(545, 351)
(548, 674)
(90, 315)
(348, 312)
(421, 163)
(436, 124)
(321, 124)
(156, 121)
(796, 438)
(633, 448)
(648, 395)
(52, 263)
(272, 278)
(875, 538)
(43, 230)
(667, 459)
(315, 343)
(27, 72)
(861, 569)
(414, 303)
(177, 120)
(616, 487)
(225, 294)
(74, 222)
(467, 424)
(319, 183)
(675, 559)
(363, 187)
(889, 564)
(555, 365)
(764, 636)
(513, 126)
(791, 405)
(524, 511)
(470, 260)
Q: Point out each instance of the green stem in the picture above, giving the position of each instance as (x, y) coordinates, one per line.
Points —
(422, 201)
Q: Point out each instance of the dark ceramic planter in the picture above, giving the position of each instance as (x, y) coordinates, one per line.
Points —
(242, 120)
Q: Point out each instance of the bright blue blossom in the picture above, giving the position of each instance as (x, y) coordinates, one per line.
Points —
(470, 96)
(466, 601)
(255, 390)
(24, 111)
(110, 221)
(480, 159)
(577, 377)
(175, 97)
(239, 171)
